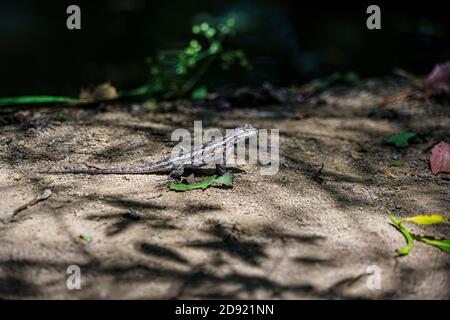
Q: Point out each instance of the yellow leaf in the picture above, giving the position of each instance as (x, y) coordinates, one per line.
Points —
(424, 220)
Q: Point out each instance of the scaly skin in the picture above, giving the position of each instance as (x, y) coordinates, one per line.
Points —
(217, 152)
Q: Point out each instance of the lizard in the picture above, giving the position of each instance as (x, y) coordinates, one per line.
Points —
(217, 152)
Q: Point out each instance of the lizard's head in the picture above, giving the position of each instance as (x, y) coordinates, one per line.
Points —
(245, 131)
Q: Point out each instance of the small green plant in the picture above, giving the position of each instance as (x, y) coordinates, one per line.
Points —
(171, 73)
(443, 244)
(175, 73)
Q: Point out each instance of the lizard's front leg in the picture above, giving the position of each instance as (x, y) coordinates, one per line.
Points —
(221, 167)
(176, 172)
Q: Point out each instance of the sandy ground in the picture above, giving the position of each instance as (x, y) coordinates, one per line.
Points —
(289, 236)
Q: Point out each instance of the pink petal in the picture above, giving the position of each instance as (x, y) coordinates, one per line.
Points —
(440, 158)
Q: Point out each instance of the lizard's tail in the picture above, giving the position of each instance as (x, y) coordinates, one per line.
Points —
(93, 171)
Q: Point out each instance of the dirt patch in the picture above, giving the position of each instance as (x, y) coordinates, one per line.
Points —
(296, 234)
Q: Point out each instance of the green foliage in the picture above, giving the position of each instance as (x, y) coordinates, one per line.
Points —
(406, 234)
(400, 140)
(444, 245)
(37, 99)
(232, 57)
(200, 93)
(226, 180)
(174, 73)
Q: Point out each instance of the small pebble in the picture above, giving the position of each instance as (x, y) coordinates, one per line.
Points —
(133, 214)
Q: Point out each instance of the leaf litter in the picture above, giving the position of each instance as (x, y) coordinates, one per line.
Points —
(440, 158)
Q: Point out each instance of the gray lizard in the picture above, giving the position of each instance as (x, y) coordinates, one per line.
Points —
(215, 152)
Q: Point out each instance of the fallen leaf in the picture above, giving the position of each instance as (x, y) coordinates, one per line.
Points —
(440, 158)
(444, 245)
(104, 91)
(439, 77)
(426, 220)
(226, 179)
(400, 140)
(36, 99)
(408, 237)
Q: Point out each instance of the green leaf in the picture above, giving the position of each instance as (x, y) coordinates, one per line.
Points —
(200, 93)
(406, 234)
(425, 220)
(210, 33)
(37, 99)
(400, 140)
(195, 29)
(204, 26)
(226, 179)
(444, 245)
(86, 238)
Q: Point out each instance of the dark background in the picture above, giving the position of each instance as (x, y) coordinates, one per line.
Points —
(288, 42)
